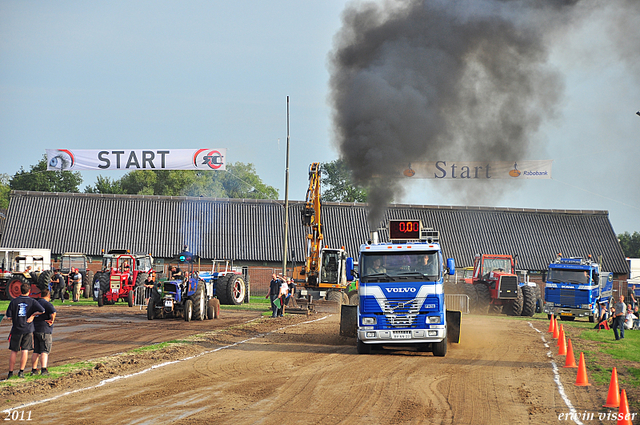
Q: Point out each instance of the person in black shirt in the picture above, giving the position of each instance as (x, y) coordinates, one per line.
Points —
(58, 286)
(21, 311)
(274, 294)
(43, 334)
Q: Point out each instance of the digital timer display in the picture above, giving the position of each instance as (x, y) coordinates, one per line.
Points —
(404, 229)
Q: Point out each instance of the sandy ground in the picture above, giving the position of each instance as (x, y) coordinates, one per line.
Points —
(299, 370)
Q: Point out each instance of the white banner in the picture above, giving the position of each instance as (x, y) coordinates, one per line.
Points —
(136, 159)
(467, 170)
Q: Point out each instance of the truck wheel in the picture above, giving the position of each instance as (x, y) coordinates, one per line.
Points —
(188, 310)
(100, 298)
(335, 296)
(528, 301)
(363, 348)
(13, 287)
(439, 348)
(131, 298)
(44, 280)
(354, 299)
(87, 281)
(199, 303)
(230, 289)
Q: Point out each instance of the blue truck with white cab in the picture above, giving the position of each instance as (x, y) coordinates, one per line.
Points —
(574, 287)
(401, 292)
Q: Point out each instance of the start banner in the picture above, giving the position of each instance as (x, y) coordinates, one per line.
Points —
(477, 170)
(136, 159)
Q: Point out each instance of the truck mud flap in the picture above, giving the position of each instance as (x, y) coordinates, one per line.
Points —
(453, 326)
(348, 320)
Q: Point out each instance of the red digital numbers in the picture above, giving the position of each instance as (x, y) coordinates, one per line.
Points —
(404, 229)
(408, 226)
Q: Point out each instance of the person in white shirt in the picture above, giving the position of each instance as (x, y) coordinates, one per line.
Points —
(629, 318)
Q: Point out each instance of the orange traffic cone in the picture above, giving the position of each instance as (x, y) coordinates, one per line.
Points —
(582, 380)
(571, 360)
(556, 330)
(624, 416)
(613, 397)
(552, 324)
(562, 343)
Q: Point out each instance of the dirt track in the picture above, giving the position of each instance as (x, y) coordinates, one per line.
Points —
(299, 370)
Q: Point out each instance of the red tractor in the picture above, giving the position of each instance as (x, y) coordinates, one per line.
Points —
(494, 287)
(121, 274)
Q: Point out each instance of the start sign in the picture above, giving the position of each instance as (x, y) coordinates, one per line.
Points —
(136, 159)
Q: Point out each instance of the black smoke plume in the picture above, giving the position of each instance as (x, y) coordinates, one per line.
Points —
(421, 80)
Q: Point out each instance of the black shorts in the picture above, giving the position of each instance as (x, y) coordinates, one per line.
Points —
(21, 342)
(42, 343)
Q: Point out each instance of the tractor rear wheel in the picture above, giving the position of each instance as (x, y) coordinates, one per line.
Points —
(188, 310)
(528, 301)
(199, 303)
(87, 281)
(44, 280)
(439, 348)
(13, 286)
(151, 309)
(484, 297)
(230, 289)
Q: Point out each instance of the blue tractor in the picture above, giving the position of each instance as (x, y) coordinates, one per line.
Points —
(196, 295)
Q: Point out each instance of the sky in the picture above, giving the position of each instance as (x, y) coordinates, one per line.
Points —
(216, 74)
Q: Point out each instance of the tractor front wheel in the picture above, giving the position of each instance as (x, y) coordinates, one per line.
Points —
(188, 310)
(151, 309)
(199, 303)
(13, 287)
(131, 298)
(100, 298)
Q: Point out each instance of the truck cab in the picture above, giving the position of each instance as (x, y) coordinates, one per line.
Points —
(402, 293)
(574, 287)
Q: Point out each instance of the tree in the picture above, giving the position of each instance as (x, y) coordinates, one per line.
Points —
(630, 244)
(105, 185)
(39, 179)
(239, 181)
(336, 177)
(5, 190)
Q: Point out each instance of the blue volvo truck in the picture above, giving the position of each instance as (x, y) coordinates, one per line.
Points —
(575, 287)
(402, 293)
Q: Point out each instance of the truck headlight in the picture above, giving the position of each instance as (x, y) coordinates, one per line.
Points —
(368, 320)
(433, 319)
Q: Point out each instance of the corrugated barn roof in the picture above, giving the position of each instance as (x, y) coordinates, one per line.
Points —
(252, 230)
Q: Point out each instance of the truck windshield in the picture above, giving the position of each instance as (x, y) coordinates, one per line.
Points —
(568, 276)
(393, 267)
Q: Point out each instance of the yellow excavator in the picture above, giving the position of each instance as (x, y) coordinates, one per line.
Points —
(324, 273)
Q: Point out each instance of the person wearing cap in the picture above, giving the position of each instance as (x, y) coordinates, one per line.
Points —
(76, 282)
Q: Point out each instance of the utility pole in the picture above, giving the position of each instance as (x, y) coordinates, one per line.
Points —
(286, 201)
